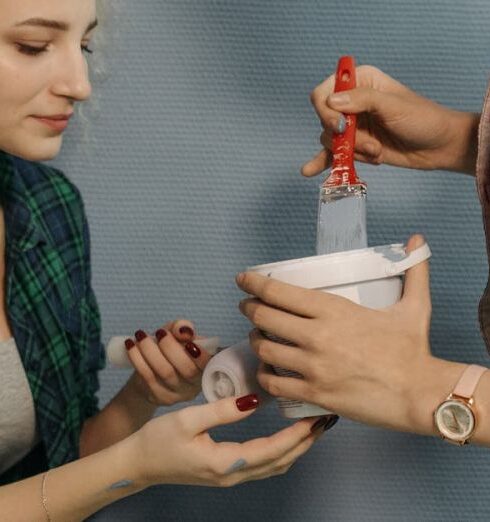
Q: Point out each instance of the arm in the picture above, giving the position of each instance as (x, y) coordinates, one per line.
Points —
(372, 366)
(167, 371)
(434, 383)
(188, 456)
(76, 490)
(462, 151)
(124, 414)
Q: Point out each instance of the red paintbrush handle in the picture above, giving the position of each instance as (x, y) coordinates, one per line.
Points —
(343, 170)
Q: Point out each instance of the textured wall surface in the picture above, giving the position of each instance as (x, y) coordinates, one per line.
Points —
(191, 173)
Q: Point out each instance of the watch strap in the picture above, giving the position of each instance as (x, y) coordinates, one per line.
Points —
(467, 383)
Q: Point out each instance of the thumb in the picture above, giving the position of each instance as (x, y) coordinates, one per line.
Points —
(366, 99)
(416, 288)
(199, 419)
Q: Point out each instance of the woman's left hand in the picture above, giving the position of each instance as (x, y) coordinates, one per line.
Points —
(168, 369)
(373, 366)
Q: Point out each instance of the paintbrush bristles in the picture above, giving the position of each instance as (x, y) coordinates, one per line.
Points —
(341, 219)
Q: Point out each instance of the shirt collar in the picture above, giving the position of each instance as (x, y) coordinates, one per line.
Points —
(24, 231)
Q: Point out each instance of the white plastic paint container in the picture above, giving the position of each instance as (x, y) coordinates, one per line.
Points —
(371, 277)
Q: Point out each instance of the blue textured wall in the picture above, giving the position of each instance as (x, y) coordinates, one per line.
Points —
(191, 173)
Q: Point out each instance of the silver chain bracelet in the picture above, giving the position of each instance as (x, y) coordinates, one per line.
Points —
(43, 496)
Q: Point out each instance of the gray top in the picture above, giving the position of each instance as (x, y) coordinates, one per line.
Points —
(18, 433)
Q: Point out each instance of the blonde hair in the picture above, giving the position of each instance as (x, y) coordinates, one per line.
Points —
(103, 39)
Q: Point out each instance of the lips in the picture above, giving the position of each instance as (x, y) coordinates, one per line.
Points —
(56, 117)
(58, 122)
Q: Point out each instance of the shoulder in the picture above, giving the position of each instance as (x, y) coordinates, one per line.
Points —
(41, 181)
(53, 200)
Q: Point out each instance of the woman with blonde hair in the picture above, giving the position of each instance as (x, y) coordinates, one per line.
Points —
(50, 350)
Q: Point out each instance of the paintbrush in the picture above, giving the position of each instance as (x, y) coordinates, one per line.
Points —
(342, 207)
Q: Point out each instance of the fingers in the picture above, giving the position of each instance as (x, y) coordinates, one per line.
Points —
(184, 332)
(268, 450)
(275, 354)
(290, 387)
(184, 359)
(182, 329)
(291, 298)
(158, 383)
(318, 164)
(416, 288)
(280, 465)
(198, 419)
(274, 321)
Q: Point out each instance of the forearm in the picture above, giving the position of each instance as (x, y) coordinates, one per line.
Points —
(433, 385)
(462, 148)
(122, 416)
(76, 490)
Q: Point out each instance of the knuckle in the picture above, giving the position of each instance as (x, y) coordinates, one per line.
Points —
(167, 374)
(368, 69)
(226, 482)
(150, 380)
(269, 290)
(262, 350)
(256, 314)
(190, 374)
(182, 420)
(273, 388)
(315, 96)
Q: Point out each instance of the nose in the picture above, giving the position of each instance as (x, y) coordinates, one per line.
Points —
(72, 79)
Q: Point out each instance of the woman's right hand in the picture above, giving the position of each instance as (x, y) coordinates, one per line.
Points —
(395, 126)
(176, 448)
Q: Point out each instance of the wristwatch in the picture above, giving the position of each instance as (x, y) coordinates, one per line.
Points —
(455, 417)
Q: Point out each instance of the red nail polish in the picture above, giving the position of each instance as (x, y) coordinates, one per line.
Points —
(247, 402)
(319, 423)
(192, 349)
(186, 330)
(129, 344)
(160, 334)
(140, 335)
(332, 421)
(325, 423)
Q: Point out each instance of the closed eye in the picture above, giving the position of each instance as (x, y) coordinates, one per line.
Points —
(31, 50)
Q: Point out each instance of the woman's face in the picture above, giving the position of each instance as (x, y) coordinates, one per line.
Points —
(43, 72)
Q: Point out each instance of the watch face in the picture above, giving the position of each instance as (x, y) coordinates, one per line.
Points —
(455, 420)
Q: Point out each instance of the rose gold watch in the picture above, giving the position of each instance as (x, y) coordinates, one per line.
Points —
(455, 418)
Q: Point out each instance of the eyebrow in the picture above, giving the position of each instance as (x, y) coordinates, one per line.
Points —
(53, 24)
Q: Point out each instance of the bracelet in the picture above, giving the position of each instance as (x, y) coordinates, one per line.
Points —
(44, 499)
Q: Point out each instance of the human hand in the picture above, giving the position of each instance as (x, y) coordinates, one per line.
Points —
(395, 126)
(168, 369)
(369, 365)
(177, 449)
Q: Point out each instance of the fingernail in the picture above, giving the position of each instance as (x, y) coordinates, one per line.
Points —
(140, 335)
(186, 330)
(247, 402)
(331, 422)
(341, 125)
(129, 343)
(160, 334)
(192, 349)
(340, 98)
(239, 277)
(325, 423)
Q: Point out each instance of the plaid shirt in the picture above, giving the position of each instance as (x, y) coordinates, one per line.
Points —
(51, 306)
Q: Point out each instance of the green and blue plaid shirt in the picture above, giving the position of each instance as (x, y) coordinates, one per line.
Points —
(51, 306)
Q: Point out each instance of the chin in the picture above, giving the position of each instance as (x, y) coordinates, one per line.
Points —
(34, 149)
